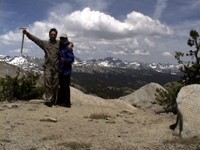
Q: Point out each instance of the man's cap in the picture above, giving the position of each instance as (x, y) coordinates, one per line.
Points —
(63, 36)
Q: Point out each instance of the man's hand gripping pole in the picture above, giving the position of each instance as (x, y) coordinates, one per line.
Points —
(22, 44)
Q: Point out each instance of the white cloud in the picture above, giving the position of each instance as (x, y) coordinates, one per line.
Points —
(149, 42)
(118, 53)
(144, 25)
(94, 33)
(90, 23)
(99, 5)
(10, 37)
(166, 54)
(95, 24)
(160, 7)
(140, 52)
(18, 50)
(98, 24)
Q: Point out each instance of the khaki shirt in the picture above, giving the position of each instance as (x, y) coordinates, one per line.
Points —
(51, 50)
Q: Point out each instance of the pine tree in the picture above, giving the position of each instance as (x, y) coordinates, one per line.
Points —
(191, 68)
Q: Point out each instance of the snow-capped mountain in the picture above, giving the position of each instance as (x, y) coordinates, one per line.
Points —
(5, 58)
(34, 63)
(117, 63)
(25, 62)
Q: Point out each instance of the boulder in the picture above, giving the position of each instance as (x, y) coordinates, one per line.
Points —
(144, 97)
(188, 118)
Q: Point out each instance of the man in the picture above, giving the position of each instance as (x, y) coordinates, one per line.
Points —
(51, 78)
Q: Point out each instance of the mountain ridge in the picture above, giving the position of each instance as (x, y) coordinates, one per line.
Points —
(35, 63)
(106, 78)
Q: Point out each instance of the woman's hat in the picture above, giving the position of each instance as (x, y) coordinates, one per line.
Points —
(63, 36)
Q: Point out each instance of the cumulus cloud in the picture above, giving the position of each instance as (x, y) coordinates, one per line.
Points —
(144, 25)
(95, 23)
(10, 37)
(97, 34)
(92, 23)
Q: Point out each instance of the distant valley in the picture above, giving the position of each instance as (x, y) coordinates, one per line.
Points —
(106, 78)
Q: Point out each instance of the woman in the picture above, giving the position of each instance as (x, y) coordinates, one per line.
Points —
(65, 68)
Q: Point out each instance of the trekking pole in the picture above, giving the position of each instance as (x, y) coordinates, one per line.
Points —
(22, 44)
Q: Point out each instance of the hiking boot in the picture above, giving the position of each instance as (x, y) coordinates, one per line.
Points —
(67, 105)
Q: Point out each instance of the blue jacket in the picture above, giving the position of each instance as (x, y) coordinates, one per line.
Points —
(65, 62)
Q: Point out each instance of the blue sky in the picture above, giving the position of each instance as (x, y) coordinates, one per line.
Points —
(132, 30)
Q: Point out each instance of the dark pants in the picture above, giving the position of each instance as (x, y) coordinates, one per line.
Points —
(64, 92)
